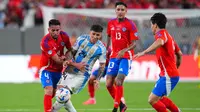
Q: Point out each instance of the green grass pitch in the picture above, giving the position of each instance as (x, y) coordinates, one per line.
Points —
(28, 97)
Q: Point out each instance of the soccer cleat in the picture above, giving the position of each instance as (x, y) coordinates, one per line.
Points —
(122, 107)
(90, 101)
(114, 110)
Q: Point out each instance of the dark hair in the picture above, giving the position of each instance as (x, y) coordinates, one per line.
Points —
(159, 19)
(120, 3)
(54, 22)
(96, 28)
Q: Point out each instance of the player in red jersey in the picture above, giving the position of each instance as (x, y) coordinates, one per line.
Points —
(123, 33)
(166, 49)
(53, 60)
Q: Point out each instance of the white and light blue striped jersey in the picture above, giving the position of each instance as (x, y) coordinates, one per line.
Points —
(88, 52)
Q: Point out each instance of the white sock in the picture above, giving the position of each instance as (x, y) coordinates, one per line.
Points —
(57, 106)
(69, 106)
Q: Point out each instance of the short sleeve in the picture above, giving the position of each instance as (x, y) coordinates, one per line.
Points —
(102, 58)
(65, 38)
(177, 49)
(78, 42)
(47, 49)
(108, 29)
(162, 36)
(133, 31)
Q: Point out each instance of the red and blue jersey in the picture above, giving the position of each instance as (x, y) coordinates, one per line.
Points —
(50, 47)
(166, 54)
(122, 34)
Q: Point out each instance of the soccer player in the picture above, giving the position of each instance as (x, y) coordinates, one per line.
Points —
(52, 60)
(166, 49)
(87, 49)
(123, 33)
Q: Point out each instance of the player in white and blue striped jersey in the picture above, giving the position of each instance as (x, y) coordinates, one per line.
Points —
(87, 49)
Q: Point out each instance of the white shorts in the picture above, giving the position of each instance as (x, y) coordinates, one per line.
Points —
(75, 82)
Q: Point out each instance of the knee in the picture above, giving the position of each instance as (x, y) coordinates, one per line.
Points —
(48, 90)
(118, 82)
(151, 101)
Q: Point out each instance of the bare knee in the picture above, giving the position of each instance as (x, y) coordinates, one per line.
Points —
(48, 90)
(153, 99)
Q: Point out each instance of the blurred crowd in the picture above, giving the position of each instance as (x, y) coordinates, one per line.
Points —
(13, 12)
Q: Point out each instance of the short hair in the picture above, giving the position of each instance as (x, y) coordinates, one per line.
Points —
(120, 3)
(96, 28)
(159, 19)
(54, 22)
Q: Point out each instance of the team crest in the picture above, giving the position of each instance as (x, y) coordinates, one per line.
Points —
(50, 52)
(123, 29)
(62, 44)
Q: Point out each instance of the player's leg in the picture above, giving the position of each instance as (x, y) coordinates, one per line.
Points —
(111, 73)
(91, 89)
(167, 101)
(158, 91)
(124, 67)
(46, 80)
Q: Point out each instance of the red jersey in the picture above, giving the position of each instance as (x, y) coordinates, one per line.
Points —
(122, 34)
(50, 47)
(108, 52)
(166, 54)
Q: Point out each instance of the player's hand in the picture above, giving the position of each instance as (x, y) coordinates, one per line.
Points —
(138, 55)
(96, 84)
(81, 66)
(121, 54)
(63, 58)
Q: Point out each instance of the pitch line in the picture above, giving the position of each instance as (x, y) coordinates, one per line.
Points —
(99, 109)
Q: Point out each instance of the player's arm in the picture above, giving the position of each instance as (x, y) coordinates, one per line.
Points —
(101, 71)
(159, 42)
(178, 54)
(108, 42)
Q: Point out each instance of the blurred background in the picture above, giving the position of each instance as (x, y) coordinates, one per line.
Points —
(24, 22)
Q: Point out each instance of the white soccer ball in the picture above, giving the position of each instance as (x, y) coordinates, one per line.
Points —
(62, 95)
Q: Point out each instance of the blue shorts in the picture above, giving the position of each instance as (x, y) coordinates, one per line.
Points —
(49, 78)
(118, 66)
(95, 72)
(165, 86)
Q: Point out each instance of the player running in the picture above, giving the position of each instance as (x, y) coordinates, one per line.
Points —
(166, 49)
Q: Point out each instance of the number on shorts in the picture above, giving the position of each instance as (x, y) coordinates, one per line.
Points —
(46, 75)
(111, 65)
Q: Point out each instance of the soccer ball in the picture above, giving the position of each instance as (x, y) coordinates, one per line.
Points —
(62, 95)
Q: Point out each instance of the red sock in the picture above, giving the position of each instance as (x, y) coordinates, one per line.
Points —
(112, 90)
(118, 96)
(91, 90)
(169, 104)
(47, 103)
(159, 106)
(122, 91)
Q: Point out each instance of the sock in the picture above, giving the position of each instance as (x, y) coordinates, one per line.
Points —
(111, 91)
(57, 106)
(169, 104)
(91, 90)
(118, 96)
(47, 103)
(159, 106)
(69, 106)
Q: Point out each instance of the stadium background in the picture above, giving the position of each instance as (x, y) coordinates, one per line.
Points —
(22, 27)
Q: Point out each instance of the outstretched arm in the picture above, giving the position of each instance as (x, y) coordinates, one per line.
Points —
(159, 42)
